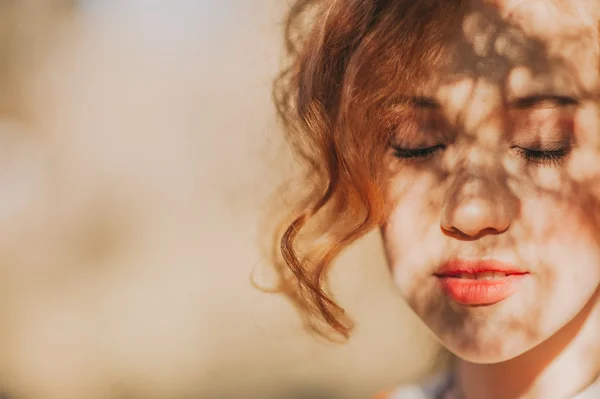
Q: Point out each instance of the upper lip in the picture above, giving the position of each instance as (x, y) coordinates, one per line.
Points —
(459, 266)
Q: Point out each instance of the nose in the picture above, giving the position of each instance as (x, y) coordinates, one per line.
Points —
(477, 206)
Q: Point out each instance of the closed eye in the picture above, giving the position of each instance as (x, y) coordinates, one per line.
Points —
(543, 157)
(420, 153)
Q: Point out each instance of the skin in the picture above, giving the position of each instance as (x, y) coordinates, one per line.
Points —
(519, 74)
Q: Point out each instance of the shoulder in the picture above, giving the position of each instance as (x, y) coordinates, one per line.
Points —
(430, 389)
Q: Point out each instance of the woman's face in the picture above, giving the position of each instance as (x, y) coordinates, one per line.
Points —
(493, 235)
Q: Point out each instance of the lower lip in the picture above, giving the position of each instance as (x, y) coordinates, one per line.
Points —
(480, 292)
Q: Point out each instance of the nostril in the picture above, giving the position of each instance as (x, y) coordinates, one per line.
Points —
(492, 230)
(455, 232)
(470, 235)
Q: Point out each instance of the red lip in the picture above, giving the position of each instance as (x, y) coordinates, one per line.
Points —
(459, 281)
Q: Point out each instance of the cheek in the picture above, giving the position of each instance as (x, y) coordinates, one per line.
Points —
(559, 238)
(569, 259)
(562, 233)
(412, 229)
(569, 211)
(563, 223)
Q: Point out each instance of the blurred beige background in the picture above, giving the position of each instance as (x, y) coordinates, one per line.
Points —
(139, 155)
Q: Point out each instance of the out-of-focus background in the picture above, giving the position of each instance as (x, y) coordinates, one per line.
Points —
(139, 158)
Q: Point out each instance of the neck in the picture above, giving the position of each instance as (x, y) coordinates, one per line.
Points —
(561, 367)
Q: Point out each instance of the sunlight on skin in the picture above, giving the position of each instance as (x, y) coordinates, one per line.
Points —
(492, 204)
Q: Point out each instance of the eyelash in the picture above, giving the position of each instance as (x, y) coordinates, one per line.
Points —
(536, 157)
(543, 157)
(417, 153)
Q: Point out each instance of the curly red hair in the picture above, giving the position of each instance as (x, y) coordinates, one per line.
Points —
(349, 59)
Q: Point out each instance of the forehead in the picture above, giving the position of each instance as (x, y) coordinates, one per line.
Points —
(525, 45)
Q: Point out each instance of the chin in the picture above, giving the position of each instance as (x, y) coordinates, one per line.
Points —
(485, 356)
(482, 349)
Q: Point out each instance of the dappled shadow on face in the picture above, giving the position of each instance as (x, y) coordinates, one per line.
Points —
(504, 87)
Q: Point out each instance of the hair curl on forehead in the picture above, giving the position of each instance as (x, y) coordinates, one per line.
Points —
(347, 59)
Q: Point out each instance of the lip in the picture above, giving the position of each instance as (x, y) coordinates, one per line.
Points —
(466, 290)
